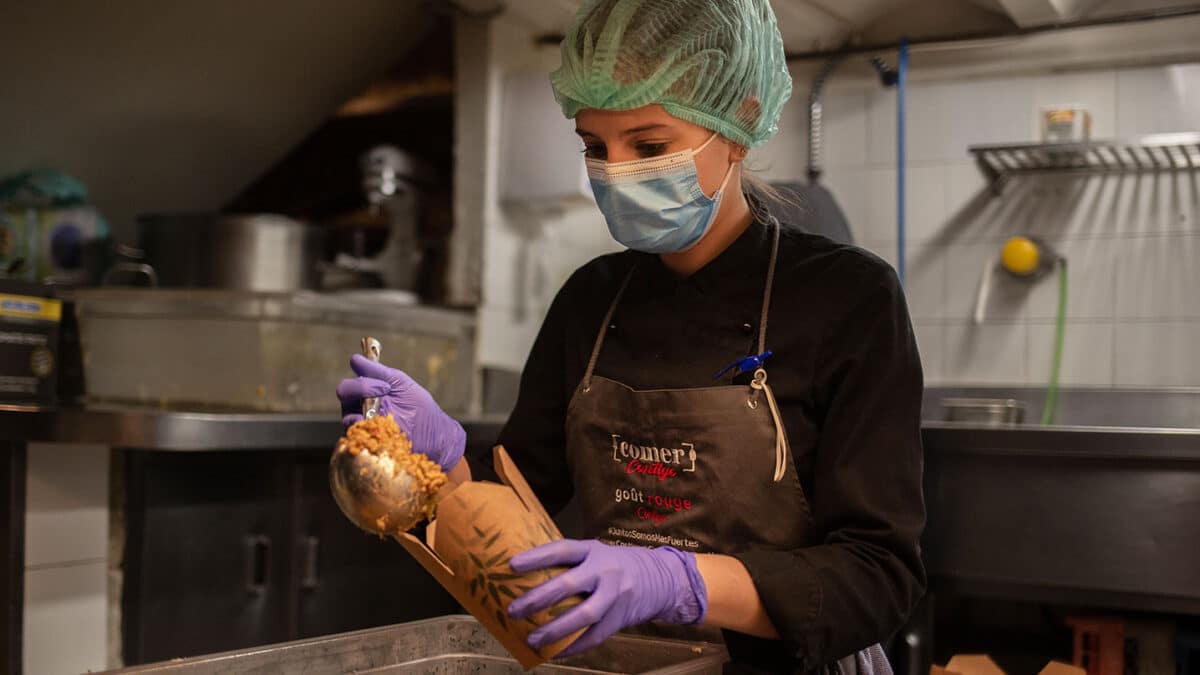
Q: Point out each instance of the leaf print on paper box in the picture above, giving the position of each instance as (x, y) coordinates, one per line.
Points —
(480, 527)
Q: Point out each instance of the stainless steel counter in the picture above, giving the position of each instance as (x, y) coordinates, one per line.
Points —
(142, 428)
(1098, 517)
(147, 429)
(1093, 516)
(1147, 443)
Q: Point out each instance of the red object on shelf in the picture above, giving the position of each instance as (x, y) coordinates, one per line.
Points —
(1099, 645)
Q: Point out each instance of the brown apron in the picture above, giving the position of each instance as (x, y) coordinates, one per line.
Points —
(705, 470)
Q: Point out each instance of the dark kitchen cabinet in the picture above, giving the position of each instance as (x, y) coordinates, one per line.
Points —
(227, 550)
(348, 579)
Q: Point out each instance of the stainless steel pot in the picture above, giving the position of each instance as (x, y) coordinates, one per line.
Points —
(250, 252)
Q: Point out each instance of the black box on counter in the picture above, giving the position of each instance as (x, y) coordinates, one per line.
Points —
(29, 328)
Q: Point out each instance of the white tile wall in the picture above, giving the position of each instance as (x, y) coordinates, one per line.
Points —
(66, 610)
(983, 111)
(852, 190)
(966, 265)
(881, 124)
(845, 126)
(925, 194)
(925, 215)
(931, 343)
(582, 227)
(988, 354)
(66, 504)
(1158, 278)
(1086, 358)
(1132, 241)
(1158, 100)
(880, 198)
(966, 190)
(1050, 206)
(1088, 207)
(1155, 203)
(925, 271)
(1157, 354)
(508, 340)
(502, 244)
(1092, 281)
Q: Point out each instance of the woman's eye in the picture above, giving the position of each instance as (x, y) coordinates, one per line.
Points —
(651, 149)
(595, 152)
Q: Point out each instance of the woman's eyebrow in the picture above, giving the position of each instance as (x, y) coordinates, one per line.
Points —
(638, 130)
(584, 133)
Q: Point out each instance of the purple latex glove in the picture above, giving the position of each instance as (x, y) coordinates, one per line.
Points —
(626, 586)
(432, 432)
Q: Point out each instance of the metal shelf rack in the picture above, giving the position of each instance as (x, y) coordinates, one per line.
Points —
(1159, 152)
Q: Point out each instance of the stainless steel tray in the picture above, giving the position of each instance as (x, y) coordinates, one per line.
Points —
(447, 645)
(989, 411)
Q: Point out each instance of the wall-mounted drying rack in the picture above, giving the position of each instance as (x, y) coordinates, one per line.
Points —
(1159, 152)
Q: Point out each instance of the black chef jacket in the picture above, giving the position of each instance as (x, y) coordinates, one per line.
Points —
(848, 380)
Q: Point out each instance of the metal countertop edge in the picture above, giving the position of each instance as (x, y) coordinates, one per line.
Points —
(183, 431)
(138, 428)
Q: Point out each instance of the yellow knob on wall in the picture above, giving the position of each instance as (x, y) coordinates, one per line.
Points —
(1020, 256)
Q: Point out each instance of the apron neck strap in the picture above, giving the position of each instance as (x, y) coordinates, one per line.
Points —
(766, 303)
(612, 307)
(762, 322)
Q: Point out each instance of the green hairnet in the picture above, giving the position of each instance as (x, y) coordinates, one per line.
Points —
(718, 64)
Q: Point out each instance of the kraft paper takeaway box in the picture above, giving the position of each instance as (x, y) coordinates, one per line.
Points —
(477, 528)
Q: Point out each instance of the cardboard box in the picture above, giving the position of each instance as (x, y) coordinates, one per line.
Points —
(982, 664)
(478, 527)
(29, 326)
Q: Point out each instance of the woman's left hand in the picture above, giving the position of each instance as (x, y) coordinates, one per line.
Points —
(625, 586)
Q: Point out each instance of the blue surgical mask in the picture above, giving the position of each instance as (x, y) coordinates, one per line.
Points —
(656, 205)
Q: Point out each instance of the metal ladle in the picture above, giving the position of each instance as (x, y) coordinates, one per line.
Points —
(374, 492)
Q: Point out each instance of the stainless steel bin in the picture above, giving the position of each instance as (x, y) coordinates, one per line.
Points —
(204, 349)
(446, 646)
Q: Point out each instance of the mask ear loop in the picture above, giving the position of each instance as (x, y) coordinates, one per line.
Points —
(728, 172)
(721, 190)
(705, 144)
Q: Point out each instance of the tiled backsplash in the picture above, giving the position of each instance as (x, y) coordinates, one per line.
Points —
(1131, 241)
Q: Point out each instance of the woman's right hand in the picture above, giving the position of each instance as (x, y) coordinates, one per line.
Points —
(433, 433)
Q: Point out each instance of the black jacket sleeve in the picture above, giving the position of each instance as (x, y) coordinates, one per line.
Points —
(858, 585)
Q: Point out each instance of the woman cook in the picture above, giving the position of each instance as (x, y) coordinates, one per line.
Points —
(781, 501)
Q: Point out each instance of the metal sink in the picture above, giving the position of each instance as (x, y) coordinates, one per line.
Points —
(1098, 511)
(1101, 408)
